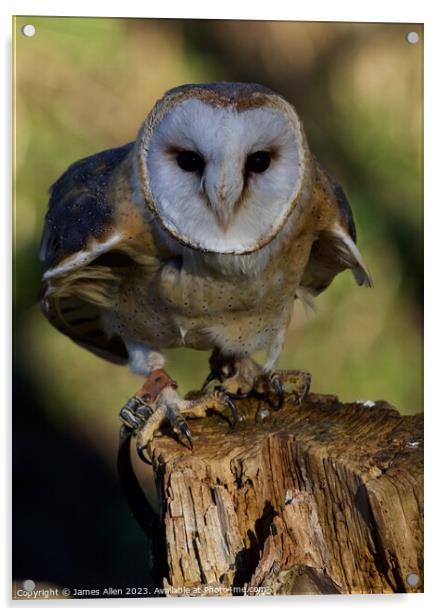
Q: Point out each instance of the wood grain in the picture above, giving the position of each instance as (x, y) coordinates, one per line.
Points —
(324, 497)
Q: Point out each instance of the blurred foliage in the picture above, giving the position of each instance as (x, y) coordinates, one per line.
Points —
(84, 85)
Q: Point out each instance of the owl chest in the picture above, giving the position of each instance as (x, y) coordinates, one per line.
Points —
(177, 307)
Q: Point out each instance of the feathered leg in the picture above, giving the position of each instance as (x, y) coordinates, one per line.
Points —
(158, 403)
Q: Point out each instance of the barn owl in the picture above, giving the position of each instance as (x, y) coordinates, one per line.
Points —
(200, 234)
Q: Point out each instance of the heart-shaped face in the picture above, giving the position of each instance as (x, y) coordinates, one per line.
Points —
(223, 177)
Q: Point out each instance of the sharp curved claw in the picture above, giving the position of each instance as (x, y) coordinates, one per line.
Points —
(180, 427)
(230, 403)
(279, 391)
(184, 429)
(212, 376)
(303, 395)
(305, 392)
(143, 456)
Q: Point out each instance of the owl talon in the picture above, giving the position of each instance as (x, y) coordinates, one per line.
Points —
(294, 383)
(180, 426)
(141, 454)
(163, 414)
(218, 401)
(188, 434)
(299, 398)
(276, 385)
(233, 408)
(171, 409)
(212, 376)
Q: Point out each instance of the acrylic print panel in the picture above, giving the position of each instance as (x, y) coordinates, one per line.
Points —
(291, 486)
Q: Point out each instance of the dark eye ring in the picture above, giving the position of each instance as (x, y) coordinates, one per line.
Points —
(258, 162)
(190, 161)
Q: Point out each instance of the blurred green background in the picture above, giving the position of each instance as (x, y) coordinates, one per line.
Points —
(84, 85)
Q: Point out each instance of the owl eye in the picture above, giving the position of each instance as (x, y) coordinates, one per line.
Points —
(258, 161)
(190, 161)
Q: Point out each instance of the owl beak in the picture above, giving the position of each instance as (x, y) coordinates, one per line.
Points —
(223, 185)
(223, 218)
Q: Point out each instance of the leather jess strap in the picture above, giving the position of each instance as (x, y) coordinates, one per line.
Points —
(139, 505)
(154, 385)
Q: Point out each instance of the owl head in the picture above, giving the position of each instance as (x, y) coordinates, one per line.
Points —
(222, 166)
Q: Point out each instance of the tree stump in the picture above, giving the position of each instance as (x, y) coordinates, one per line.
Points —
(322, 497)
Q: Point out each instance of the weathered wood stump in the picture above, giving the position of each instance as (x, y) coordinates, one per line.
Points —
(324, 497)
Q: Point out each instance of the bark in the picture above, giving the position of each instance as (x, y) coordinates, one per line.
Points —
(323, 498)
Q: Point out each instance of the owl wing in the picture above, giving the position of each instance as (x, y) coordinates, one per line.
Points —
(80, 249)
(335, 248)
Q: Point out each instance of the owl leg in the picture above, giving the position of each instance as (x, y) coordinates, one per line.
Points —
(241, 376)
(275, 384)
(236, 375)
(158, 403)
(146, 418)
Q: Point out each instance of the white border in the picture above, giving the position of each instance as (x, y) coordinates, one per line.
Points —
(321, 10)
(376, 10)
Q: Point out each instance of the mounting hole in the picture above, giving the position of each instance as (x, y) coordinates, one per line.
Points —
(412, 38)
(412, 579)
(29, 585)
(28, 30)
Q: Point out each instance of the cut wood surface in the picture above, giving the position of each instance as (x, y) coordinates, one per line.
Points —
(324, 497)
